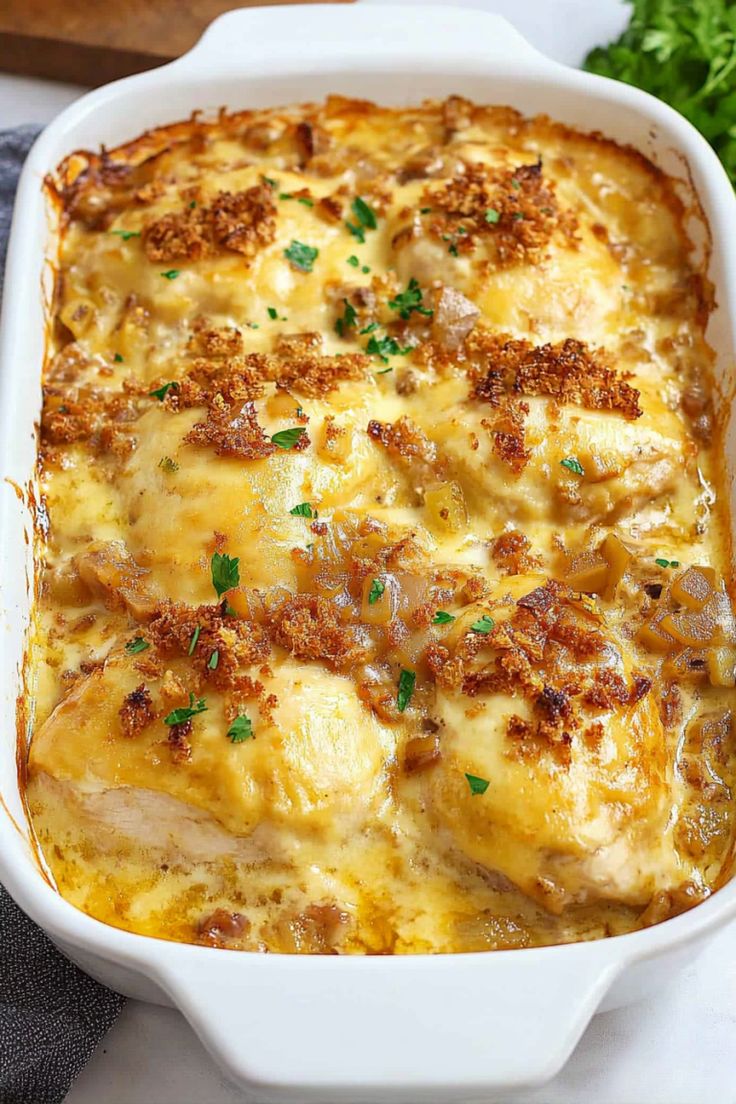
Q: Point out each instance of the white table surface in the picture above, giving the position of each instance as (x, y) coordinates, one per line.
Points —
(678, 1047)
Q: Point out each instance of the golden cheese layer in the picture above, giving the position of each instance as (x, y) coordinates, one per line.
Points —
(383, 603)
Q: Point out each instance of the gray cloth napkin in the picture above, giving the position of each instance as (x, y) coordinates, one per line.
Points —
(52, 1016)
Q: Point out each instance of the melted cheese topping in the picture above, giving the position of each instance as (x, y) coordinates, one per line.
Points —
(382, 604)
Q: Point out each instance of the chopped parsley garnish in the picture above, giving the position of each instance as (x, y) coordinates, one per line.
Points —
(272, 312)
(193, 641)
(213, 660)
(126, 235)
(375, 592)
(410, 300)
(492, 215)
(452, 249)
(300, 199)
(383, 371)
(225, 572)
(302, 510)
(573, 464)
(667, 563)
(161, 392)
(424, 210)
(407, 681)
(384, 347)
(192, 204)
(118, 359)
(353, 260)
(443, 618)
(365, 268)
(185, 712)
(348, 319)
(287, 438)
(365, 219)
(171, 273)
(483, 624)
(301, 256)
(168, 464)
(518, 216)
(240, 730)
(371, 328)
(270, 181)
(477, 785)
(138, 644)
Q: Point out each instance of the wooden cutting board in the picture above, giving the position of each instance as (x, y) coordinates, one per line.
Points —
(95, 41)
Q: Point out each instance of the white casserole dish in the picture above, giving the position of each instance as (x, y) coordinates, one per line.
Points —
(430, 1028)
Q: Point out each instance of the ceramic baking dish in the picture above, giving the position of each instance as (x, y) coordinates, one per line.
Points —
(429, 1028)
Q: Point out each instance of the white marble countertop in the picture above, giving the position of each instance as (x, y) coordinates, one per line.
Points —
(679, 1047)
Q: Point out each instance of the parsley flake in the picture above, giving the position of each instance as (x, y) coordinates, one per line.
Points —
(118, 359)
(287, 438)
(225, 572)
(375, 592)
(371, 328)
(240, 730)
(365, 218)
(407, 682)
(384, 347)
(270, 181)
(667, 563)
(441, 617)
(193, 641)
(483, 625)
(573, 464)
(138, 644)
(477, 785)
(213, 660)
(168, 464)
(424, 210)
(272, 312)
(301, 256)
(410, 300)
(353, 260)
(348, 319)
(302, 510)
(161, 392)
(185, 712)
(492, 215)
(171, 273)
(126, 235)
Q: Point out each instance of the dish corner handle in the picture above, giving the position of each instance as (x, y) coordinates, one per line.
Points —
(238, 36)
(479, 1023)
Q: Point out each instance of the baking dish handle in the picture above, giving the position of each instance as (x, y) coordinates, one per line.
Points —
(347, 32)
(366, 1029)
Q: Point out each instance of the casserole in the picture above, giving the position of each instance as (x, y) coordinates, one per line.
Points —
(251, 1032)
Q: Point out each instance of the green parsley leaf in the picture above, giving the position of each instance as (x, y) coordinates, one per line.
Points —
(305, 200)
(365, 216)
(375, 592)
(452, 250)
(136, 645)
(365, 268)
(348, 319)
(270, 181)
(383, 371)
(193, 641)
(186, 712)
(272, 312)
(492, 215)
(168, 464)
(192, 204)
(483, 624)
(171, 273)
(357, 232)
(287, 438)
(407, 682)
(213, 660)
(160, 393)
(240, 730)
(442, 618)
(477, 785)
(573, 464)
(225, 572)
(353, 260)
(126, 235)
(424, 210)
(518, 216)
(684, 53)
(409, 301)
(301, 256)
(667, 563)
(371, 328)
(302, 510)
(118, 359)
(384, 347)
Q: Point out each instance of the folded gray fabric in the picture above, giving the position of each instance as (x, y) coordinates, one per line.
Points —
(52, 1016)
